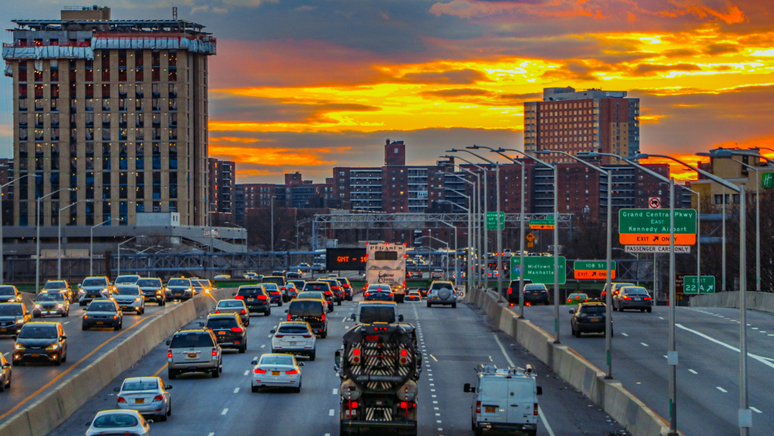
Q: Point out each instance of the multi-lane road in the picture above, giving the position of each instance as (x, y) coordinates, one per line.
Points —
(453, 342)
(708, 370)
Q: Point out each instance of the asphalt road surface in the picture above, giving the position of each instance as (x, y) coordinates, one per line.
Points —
(454, 341)
(708, 370)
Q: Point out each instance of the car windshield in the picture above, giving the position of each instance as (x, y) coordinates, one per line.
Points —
(149, 282)
(197, 284)
(311, 296)
(250, 292)
(305, 308)
(55, 285)
(344, 281)
(191, 340)
(593, 310)
(316, 287)
(369, 314)
(636, 291)
(276, 360)
(235, 303)
(115, 420)
(127, 290)
(298, 283)
(221, 323)
(179, 282)
(11, 310)
(137, 385)
(102, 306)
(289, 329)
(94, 282)
(7, 290)
(38, 332)
(126, 279)
(56, 296)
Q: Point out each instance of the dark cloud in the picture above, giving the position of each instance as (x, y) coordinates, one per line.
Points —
(679, 53)
(645, 69)
(269, 110)
(452, 77)
(716, 49)
(462, 92)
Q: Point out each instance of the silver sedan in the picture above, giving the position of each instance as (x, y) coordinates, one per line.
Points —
(147, 395)
(118, 422)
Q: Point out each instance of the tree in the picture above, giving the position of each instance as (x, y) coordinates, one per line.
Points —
(258, 223)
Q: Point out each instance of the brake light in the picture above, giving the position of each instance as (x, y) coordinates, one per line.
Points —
(535, 411)
(239, 297)
(115, 316)
(323, 317)
(289, 318)
(260, 297)
(510, 291)
(242, 311)
(236, 329)
(85, 316)
(354, 404)
(647, 298)
(121, 400)
(626, 297)
(259, 371)
(512, 304)
(335, 288)
(478, 406)
(169, 354)
(279, 336)
(307, 336)
(217, 311)
(158, 398)
(214, 352)
(367, 294)
(390, 294)
(372, 338)
(569, 300)
(292, 372)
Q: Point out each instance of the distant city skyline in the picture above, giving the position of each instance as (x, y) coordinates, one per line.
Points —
(307, 86)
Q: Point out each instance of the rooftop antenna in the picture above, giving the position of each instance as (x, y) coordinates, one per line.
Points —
(174, 13)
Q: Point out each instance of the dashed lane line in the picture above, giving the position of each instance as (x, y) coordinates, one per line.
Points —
(225, 411)
(331, 412)
(721, 389)
(755, 410)
(247, 372)
(236, 390)
(693, 372)
(644, 344)
(761, 359)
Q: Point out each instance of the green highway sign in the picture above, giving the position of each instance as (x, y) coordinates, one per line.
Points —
(707, 285)
(651, 226)
(767, 180)
(491, 220)
(547, 223)
(592, 269)
(539, 269)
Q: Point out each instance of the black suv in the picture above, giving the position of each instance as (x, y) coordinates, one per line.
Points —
(336, 288)
(280, 282)
(103, 313)
(311, 311)
(13, 316)
(228, 330)
(589, 318)
(323, 287)
(534, 293)
(9, 294)
(347, 287)
(255, 297)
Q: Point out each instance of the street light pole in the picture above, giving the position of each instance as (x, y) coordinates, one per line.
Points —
(500, 225)
(91, 246)
(272, 223)
(2, 251)
(476, 212)
(119, 253)
(456, 263)
(455, 229)
(698, 236)
(37, 236)
(757, 223)
(442, 242)
(59, 238)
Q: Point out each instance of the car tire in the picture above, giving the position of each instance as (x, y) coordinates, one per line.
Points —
(298, 389)
(313, 356)
(35, 316)
(162, 417)
(117, 327)
(58, 361)
(172, 374)
(649, 310)
(429, 305)
(243, 348)
(577, 333)
(454, 305)
(216, 373)
(2, 386)
(479, 432)
(331, 307)
(255, 389)
(324, 334)
(267, 313)
(84, 328)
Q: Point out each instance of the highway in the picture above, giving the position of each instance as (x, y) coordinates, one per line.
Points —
(708, 370)
(83, 347)
(453, 341)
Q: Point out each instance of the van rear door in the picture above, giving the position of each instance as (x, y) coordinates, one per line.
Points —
(521, 400)
(494, 400)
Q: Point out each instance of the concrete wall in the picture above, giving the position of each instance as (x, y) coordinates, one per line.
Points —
(610, 395)
(763, 301)
(53, 408)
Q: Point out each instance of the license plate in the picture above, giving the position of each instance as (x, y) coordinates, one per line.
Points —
(594, 319)
(3, 330)
(192, 355)
(139, 400)
(221, 333)
(275, 373)
(251, 299)
(35, 355)
(489, 409)
(435, 298)
(100, 322)
(636, 298)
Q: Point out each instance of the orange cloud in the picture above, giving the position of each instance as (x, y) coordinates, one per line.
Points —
(271, 156)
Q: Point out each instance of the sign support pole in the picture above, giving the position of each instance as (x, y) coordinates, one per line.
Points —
(608, 280)
(556, 254)
(672, 345)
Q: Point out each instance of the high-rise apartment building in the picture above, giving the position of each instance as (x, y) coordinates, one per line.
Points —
(582, 121)
(115, 110)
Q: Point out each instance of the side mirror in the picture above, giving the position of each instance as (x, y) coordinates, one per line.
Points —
(300, 363)
(540, 390)
(400, 318)
(6, 366)
(116, 389)
(63, 337)
(352, 317)
(254, 362)
(572, 311)
(272, 331)
(169, 342)
(168, 387)
(286, 311)
(466, 387)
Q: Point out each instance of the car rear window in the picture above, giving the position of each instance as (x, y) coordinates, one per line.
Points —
(196, 283)
(635, 291)
(179, 282)
(307, 295)
(305, 308)
(276, 280)
(595, 310)
(101, 307)
(94, 282)
(191, 340)
(322, 287)
(140, 385)
(293, 329)
(437, 286)
(7, 290)
(534, 288)
(219, 323)
(276, 360)
(250, 292)
(149, 282)
(369, 314)
(344, 281)
(237, 303)
(115, 420)
(10, 310)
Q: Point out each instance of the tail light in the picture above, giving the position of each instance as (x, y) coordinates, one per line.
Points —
(390, 294)
(323, 317)
(289, 318)
(478, 406)
(242, 311)
(239, 297)
(214, 352)
(407, 404)
(259, 371)
(217, 311)
(626, 297)
(237, 329)
(121, 400)
(535, 411)
(307, 336)
(569, 300)
(367, 294)
(512, 304)
(354, 404)
(158, 398)
(169, 354)
(260, 297)
(292, 372)
(279, 336)
(510, 290)
(647, 299)
(283, 288)
(335, 288)
(372, 338)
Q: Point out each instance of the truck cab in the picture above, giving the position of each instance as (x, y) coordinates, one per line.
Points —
(504, 400)
(369, 312)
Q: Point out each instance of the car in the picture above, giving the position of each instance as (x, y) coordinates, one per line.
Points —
(228, 329)
(198, 286)
(6, 371)
(278, 272)
(378, 293)
(337, 289)
(51, 304)
(194, 350)
(294, 273)
(130, 298)
(413, 296)
(294, 337)
(369, 312)
(589, 318)
(124, 422)
(633, 297)
(127, 280)
(94, 288)
(535, 293)
(312, 312)
(275, 295)
(253, 276)
(61, 286)
(291, 291)
(314, 295)
(276, 370)
(437, 273)
(299, 284)
(576, 298)
(13, 316)
(255, 297)
(147, 395)
(41, 342)
(442, 292)
(234, 306)
(616, 287)
(318, 267)
(493, 273)
(206, 284)
(423, 291)
(223, 277)
(153, 290)
(179, 289)
(9, 294)
(279, 281)
(103, 313)
(347, 286)
(323, 287)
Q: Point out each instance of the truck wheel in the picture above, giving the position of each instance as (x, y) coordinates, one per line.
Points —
(577, 333)
(428, 304)
(454, 305)
(479, 432)
(649, 310)
(215, 373)
(172, 374)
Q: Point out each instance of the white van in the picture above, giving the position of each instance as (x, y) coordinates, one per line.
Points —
(505, 400)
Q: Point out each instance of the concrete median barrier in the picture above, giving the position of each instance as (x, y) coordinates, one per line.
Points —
(610, 395)
(763, 301)
(44, 415)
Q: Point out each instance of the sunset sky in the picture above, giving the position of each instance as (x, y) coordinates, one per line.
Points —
(308, 85)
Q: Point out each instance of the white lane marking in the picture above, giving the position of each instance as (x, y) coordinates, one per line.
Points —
(762, 331)
(66, 322)
(343, 319)
(644, 344)
(236, 390)
(225, 411)
(435, 402)
(693, 372)
(255, 358)
(438, 414)
(438, 421)
(247, 372)
(269, 336)
(335, 391)
(330, 412)
(721, 389)
(500, 344)
(755, 410)
(490, 359)
(432, 384)
(660, 317)
(211, 434)
(754, 328)
(761, 359)
(434, 358)
(263, 346)
(625, 334)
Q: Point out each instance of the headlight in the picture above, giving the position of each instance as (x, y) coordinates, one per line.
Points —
(158, 291)
(138, 299)
(37, 306)
(59, 306)
(20, 320)
(104, 289)
(52, 347)
(19, 347)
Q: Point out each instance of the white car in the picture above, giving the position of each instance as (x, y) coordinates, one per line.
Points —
(119, 422)
(294, 337)
(147, 395)
(127, 280)
(276, 371)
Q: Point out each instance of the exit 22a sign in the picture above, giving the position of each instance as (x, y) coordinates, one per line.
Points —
(707, 285)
